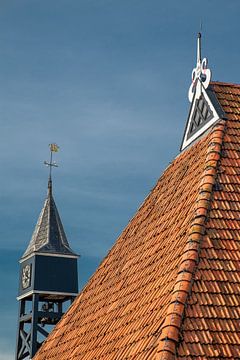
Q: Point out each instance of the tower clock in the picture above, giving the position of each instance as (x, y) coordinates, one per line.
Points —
(26, 276)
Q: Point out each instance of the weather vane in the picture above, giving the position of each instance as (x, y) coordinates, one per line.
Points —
(51, 163)
(201, 75)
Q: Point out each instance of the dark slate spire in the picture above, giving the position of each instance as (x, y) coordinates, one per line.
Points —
(49, 235)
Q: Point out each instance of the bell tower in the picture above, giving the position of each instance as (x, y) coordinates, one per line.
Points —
(48, 281)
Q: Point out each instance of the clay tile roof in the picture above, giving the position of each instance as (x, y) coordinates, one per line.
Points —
(170, 286)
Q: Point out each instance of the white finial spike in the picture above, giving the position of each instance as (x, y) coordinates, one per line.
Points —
(201, 76)
(199, 57)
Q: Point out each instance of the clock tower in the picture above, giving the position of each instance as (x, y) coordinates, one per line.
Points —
(48, 280)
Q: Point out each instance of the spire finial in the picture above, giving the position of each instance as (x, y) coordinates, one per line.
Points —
(51, 163)
(199, 57)
(201, 75)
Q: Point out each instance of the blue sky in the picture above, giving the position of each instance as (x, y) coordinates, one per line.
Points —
(107, 81)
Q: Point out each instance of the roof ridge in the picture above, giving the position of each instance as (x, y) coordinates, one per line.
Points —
(171, 326)
(224, 83)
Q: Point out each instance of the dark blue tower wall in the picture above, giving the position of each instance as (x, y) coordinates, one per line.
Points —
(56, 274)
(51, 274)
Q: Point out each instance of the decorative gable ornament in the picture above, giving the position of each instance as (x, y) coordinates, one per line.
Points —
(201, 75)
(203, 113)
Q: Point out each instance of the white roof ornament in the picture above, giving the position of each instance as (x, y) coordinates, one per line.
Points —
(201, 75)
(205, 109)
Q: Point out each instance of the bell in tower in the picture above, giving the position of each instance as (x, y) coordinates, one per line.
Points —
(48, 280)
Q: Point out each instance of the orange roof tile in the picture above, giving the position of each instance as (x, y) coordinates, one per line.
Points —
(210, 327)
(170, 286)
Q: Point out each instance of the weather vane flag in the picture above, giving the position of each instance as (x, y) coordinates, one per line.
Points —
(54, 147)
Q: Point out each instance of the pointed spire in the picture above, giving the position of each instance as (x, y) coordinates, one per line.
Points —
(50, 186)
(201, 75)
(49, 235)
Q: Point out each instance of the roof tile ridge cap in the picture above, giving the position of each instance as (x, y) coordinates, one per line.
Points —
(170, 332)
(222, 83)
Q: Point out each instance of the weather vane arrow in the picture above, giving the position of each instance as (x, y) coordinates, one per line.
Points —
(51, 163)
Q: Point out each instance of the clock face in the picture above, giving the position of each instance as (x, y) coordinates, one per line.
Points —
(26, 276)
